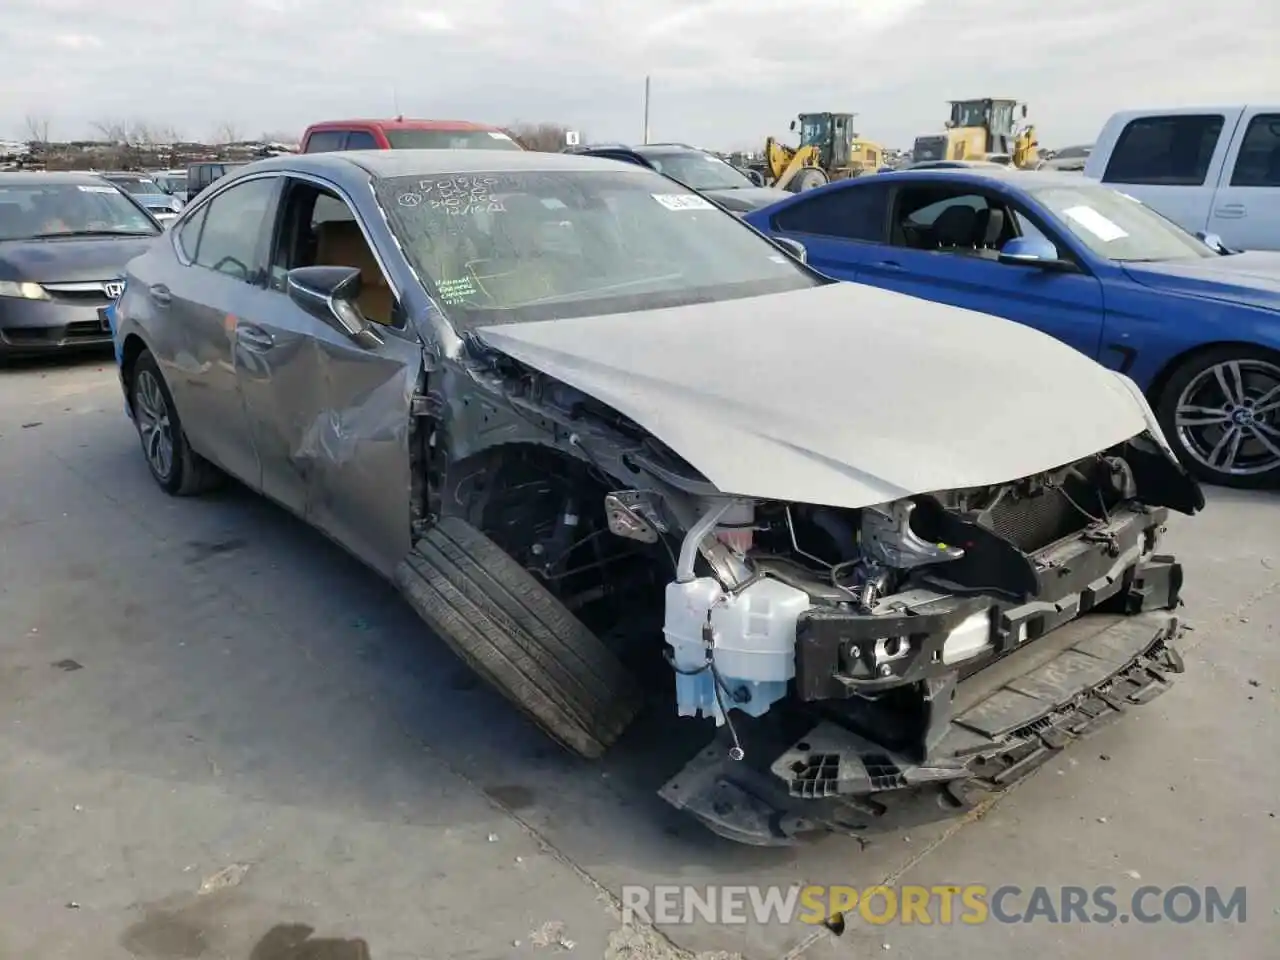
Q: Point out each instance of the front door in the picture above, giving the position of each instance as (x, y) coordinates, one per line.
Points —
(1246, 208)
(220, 280)
(947, 250)
(331, 416)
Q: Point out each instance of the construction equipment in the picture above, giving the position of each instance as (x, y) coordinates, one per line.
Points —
(982, 129)
(830, 149)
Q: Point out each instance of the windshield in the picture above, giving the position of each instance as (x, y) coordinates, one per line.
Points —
(42, 210)
(702, 171)
(815, 129)
(450, 140)
(172, 182)
(513, 247)
(1118, 227)
(136, 185)
(969, 113)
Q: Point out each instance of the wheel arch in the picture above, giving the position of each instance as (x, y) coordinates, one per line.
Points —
(130, 350)
(1171, 366)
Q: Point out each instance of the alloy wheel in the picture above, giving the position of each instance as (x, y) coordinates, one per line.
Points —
(1228, 417)
(155, 425)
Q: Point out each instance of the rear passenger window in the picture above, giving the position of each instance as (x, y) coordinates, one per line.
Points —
(853, 213)
(361, 140)
(1171, 151)
(325, 141)
(1259, 162)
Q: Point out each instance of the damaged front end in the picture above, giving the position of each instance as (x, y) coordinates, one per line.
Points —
(929, 644)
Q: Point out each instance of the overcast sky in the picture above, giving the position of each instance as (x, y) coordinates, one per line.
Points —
(725, 72)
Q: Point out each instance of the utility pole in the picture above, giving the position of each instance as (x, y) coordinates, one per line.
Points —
(646, 109)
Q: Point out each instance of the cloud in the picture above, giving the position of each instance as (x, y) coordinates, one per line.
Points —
(725, 73)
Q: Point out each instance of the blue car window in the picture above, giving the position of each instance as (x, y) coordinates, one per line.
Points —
(853, 213)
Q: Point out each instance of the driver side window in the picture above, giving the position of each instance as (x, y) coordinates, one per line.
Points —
(230, 242)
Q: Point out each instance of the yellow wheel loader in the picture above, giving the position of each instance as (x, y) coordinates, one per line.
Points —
(983, 129)
(830, 149)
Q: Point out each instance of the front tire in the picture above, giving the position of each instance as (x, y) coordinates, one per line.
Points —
(807, 178)
(1220, 410)
(516, 635)
(175, 467)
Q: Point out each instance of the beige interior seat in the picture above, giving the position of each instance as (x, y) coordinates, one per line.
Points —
(339, 243)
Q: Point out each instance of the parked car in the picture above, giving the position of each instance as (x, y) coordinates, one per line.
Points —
(201, 175)
(143, 187)
(1197, 329)
(572, 408)
(1208, 169)
(172, 182)
(1068, 159)
(402, 134)
(64, 241)
(698, 170)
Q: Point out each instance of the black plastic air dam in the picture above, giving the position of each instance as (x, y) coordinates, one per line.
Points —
(1004, 722)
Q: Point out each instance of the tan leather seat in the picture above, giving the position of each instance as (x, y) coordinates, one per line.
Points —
(339, 243)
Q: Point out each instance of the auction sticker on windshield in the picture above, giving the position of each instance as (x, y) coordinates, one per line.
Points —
(683, 201)
(93, 188)
(1096, 223)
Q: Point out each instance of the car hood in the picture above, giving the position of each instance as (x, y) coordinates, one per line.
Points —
(1251, 278)
(842, 395)
(744, 199)
(70, 260)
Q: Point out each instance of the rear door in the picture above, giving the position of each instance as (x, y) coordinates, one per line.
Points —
(1246, 208)
(218, 279)
(843, 227)
(1171, 162)
(1066, 305)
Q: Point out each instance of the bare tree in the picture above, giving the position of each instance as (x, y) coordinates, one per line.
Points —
(38, 128)
(543, 137)
(227, 132)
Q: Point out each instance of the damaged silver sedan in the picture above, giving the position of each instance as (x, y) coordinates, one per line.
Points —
(589, 423)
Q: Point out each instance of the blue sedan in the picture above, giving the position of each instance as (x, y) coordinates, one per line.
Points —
(1196, 326)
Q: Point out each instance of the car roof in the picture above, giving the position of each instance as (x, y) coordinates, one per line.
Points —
(406, 163)
(46, 178)
(401, 123)
(1004, 175)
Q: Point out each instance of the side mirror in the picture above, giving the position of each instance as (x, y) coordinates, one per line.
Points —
(793, 247)
(793, 125)
(1032, 252)
(329, 294)
(1212, 241)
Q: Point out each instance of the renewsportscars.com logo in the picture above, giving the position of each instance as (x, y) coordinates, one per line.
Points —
(945, 905)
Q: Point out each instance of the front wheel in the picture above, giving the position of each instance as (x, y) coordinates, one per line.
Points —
(807, 178)
(177, 468)
(1221, 412)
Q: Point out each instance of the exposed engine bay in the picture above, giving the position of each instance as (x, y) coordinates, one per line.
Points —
(856, 627)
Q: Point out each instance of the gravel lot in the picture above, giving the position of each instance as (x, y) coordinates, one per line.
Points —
(218, 733)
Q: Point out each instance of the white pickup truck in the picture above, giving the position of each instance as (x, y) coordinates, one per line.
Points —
(1212, 170)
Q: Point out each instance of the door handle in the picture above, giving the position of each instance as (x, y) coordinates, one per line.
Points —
(160, 294)
(1230, 211)
(255, 338)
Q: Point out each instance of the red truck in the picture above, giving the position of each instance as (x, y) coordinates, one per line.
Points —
(404, 134)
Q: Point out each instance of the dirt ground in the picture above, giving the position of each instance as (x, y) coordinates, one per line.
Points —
(221, 737)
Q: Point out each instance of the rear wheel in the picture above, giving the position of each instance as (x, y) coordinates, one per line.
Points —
(177, 468)
(1221, 412)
